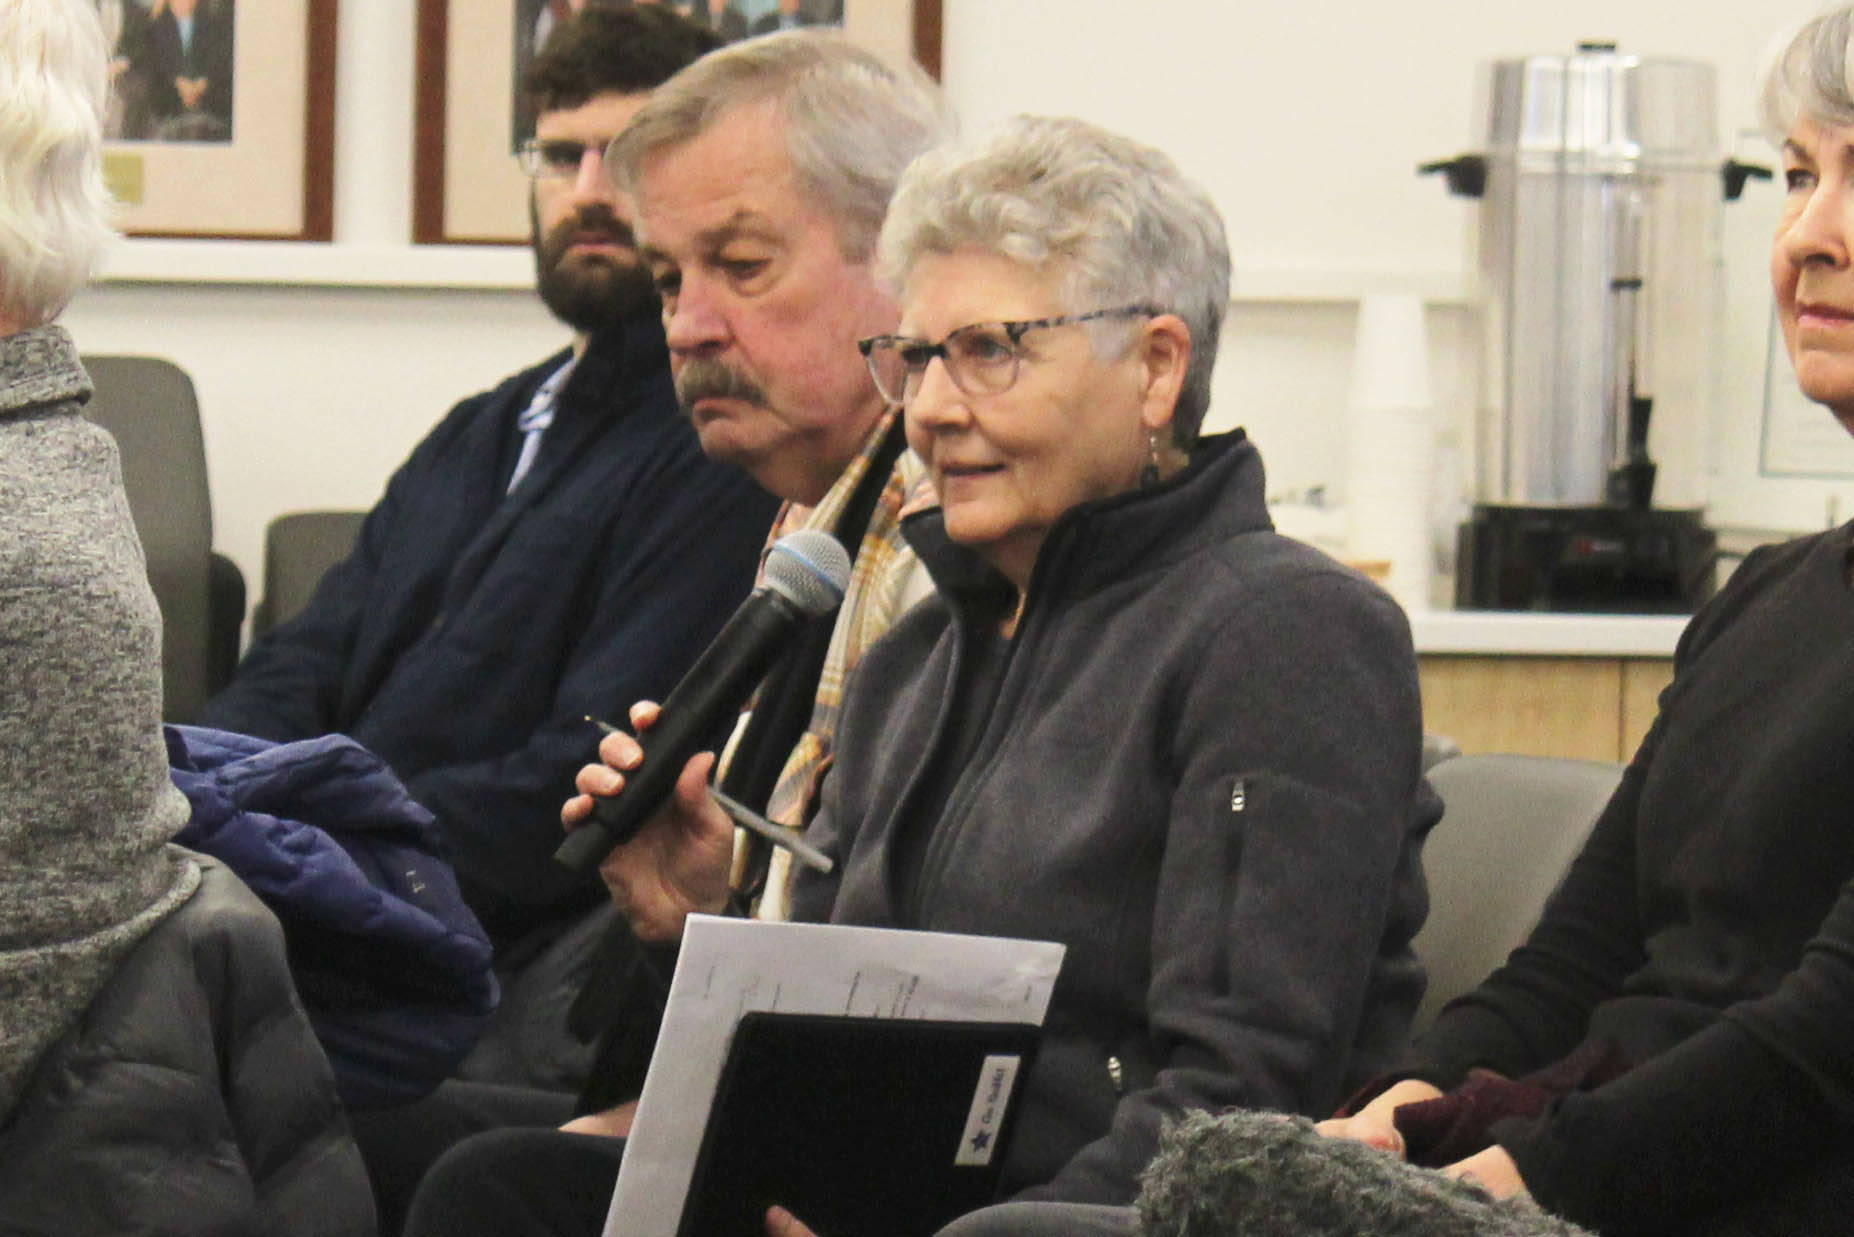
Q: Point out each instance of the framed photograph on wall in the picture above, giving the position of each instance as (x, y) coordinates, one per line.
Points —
(467, 186)
(221, 119)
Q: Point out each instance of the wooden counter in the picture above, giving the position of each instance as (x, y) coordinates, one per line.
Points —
(1543, 684)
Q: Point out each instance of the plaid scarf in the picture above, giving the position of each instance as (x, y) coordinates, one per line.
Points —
(885, 581)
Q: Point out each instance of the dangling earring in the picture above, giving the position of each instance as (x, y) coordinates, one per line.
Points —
(1149, 475)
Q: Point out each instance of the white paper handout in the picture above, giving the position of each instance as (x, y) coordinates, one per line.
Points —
(730, 966)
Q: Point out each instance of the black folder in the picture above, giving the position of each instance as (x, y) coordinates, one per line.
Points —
(861, 1127)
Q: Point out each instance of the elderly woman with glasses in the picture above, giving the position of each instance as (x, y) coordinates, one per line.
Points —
(1134, 719)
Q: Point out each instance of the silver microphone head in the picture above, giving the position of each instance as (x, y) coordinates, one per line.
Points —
(810, 569)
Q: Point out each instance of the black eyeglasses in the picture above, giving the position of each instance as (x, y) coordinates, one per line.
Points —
(555, 158)
(981, 359)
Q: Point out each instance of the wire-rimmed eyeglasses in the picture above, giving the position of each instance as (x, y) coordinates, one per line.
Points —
(554, 158)
(981, 358)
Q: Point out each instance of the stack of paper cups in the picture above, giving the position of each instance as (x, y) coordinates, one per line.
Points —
(1390, 446)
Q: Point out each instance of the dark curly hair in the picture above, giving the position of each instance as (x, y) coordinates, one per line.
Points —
(607, 48)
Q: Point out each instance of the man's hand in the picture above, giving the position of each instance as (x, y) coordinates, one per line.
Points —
(612, 1123)
(191, 90)
(1493, 1170)
(677, 864)
(1375, 1123)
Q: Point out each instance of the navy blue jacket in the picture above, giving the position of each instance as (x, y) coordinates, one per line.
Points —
(469, 634)
(392, 967)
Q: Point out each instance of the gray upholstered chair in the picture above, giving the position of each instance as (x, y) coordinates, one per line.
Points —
(148, 405)
(299, 548)
(1510, 826)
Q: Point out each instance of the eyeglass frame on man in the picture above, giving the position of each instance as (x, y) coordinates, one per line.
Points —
(532, 154)
(1013, 331)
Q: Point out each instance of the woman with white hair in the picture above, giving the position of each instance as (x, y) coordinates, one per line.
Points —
(1136, 720)
(1133, 719)
(1679, 1021)
(156, 1073)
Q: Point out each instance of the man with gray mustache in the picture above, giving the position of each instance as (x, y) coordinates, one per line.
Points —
(760, 177)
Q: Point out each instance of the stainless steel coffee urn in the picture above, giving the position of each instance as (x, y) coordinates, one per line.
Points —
(1601, 190)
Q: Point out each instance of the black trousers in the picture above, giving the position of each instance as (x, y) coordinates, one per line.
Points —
(542, 1183)
(519, 1183)
(401, 1144)
(524, 1071)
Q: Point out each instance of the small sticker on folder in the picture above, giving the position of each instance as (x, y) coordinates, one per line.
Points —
(990, 1100)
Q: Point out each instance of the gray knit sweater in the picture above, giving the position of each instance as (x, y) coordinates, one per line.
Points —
(86, 807)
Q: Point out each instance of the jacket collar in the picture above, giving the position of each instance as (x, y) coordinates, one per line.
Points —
(1220, 494)
(625, 366)
(39, 366)
(628, 348)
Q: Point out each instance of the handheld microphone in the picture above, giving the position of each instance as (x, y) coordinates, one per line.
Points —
(806, 574)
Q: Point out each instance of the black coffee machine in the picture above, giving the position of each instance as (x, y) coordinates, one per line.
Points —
(1598, 241)
(1600, 559)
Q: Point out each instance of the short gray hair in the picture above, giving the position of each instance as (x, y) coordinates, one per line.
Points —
(54, 211)
(1112, 218)
(852, 121)
(1809, 72)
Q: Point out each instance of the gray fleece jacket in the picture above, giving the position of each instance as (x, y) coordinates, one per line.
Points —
(1202, 772)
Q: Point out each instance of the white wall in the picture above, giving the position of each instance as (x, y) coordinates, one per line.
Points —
(1306, 121)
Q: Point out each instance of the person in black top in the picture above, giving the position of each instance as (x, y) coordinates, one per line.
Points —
(1690, 987)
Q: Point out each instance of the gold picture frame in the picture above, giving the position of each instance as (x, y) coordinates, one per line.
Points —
(467, 187)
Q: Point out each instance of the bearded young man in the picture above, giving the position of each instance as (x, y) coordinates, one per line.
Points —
(556, 547)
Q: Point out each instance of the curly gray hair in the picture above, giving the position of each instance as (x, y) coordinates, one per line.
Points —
(1113, 219)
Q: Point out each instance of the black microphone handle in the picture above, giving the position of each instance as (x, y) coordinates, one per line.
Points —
(714, 688)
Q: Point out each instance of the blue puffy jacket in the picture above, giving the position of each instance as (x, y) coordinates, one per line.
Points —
(392, 966)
